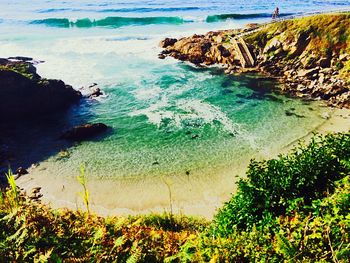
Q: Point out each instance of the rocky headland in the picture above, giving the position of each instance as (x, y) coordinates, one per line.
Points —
(310, 56)
(24, 93)
(33, 110)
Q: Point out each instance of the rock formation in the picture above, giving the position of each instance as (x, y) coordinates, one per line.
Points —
(83, 132)
(310, 56)
(24, 93)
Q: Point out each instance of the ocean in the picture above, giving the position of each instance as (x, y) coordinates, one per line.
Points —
(169, 119)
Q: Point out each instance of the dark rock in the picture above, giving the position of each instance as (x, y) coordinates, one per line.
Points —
(302, 42)
(84, 131)
(21, 171)
(21, 58)
(167, 42)
(24, 93)
(93, 85)
(161, 56)
(224, 52)
(205, 47)
(324, 62)
(96, 93)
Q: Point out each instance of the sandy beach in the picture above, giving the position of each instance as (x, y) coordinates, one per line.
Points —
(182, 194)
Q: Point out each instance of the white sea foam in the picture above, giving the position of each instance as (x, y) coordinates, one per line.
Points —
(147, 93)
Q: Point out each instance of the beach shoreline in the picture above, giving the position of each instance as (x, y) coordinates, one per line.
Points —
(186, 195)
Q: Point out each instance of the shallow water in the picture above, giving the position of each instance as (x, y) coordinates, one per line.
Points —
(168, 118)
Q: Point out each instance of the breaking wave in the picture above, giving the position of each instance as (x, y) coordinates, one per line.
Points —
(113, 22)
(223, 17)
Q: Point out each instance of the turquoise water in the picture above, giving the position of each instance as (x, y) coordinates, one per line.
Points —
(167, 117)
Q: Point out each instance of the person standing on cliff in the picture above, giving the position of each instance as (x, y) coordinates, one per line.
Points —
(276, 13)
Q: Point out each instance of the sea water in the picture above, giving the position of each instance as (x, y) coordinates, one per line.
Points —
(167, 118)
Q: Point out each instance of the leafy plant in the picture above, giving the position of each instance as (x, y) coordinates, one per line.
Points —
(85, 194)
(308, 172)
(13, 193)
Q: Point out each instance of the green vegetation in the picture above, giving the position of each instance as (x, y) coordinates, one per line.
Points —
(322, 36)
(295, 208)
(85, 194)
(20, 68)
(305, 174)
(326, 32)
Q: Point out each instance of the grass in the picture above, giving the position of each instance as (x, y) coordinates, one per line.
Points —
(295, 208)
(21, 68)
(329, 36)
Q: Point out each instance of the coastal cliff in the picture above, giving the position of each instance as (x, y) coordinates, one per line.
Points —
(27, 98)
(310, 55)
(24, 93)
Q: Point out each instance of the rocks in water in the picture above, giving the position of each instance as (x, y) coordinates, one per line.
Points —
(304, 71)
(96, 93)
(289, 55)
(24, 93)
(85, 131)
(201, 49)
(167, 42)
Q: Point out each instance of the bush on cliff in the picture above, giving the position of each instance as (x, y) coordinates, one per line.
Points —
(307, 173)
(322, 234)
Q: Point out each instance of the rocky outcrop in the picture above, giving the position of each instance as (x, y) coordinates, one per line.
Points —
(24, 93)
(284, 51)
(83, 132)
(304, 70)
(212, 48)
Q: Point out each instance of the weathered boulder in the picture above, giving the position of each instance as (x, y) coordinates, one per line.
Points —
(201, 49)
(85, 131)
(24, 93)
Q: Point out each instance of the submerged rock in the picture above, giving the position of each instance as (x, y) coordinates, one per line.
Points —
(85, 131)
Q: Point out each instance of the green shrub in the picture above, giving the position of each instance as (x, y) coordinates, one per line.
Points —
(308, 172)
(321, 235)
